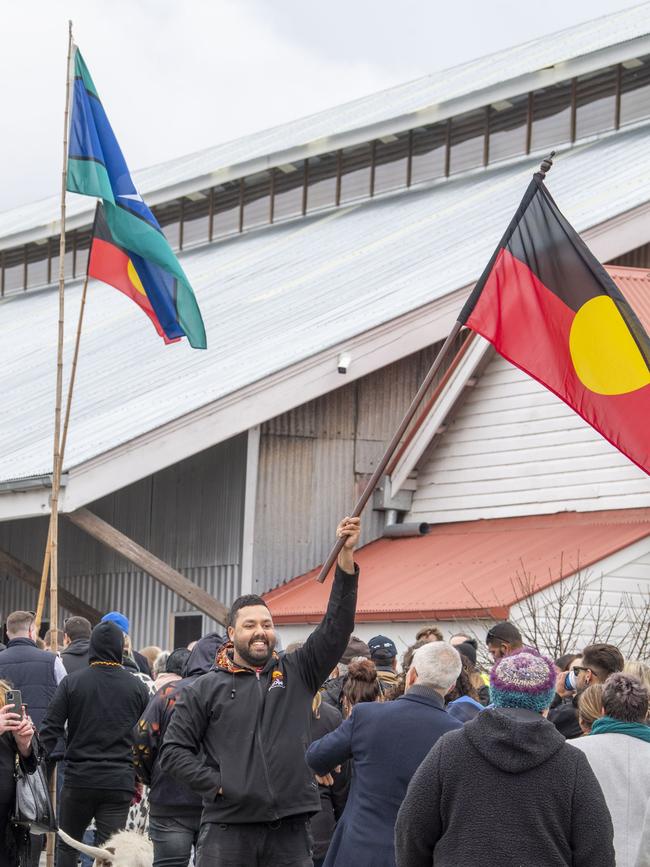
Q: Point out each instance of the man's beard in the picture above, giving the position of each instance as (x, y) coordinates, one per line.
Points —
(257, 658)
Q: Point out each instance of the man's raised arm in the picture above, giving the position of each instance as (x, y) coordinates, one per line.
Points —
(324, 647)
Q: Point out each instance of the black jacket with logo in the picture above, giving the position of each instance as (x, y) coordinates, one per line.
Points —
(247, 732)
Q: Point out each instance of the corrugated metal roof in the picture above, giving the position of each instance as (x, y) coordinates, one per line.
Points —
(404, 99)
(634, 283)
(467, 569)
(278, 296)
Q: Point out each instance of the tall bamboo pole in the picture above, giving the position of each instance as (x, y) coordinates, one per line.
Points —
(56, 474)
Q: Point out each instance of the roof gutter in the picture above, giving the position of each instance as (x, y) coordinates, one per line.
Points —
(17, 486)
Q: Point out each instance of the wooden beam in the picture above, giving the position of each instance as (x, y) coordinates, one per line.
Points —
(145, 560)
(30, 576)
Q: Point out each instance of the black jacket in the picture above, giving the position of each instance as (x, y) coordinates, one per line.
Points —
(332, 798)
(31, 670)
(101, 704)
(167, 797)
(247, 732)
(541, 805)
(564, 717)
(75, 655)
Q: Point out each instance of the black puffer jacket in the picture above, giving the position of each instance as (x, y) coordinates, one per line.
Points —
(101, 704)
(167, 797)
(544, 806)
(247, 732)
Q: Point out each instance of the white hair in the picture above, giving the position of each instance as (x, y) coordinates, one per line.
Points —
(437, 664)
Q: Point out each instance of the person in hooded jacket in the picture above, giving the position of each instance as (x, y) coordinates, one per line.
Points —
(100, 704)
(76, 643)
(174, 808)
(545, 804)
(238, 735)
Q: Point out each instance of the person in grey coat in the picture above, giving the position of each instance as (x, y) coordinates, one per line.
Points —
(618, 750)
(542, 804)
(386, 741)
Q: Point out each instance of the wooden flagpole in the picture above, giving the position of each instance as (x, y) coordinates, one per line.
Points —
(392, 445)
(56, 474)
(53, 535)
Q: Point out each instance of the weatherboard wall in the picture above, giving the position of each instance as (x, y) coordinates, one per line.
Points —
(513, 448)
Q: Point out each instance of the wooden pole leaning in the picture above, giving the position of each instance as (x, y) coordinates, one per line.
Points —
(64, 437)
(392, 445)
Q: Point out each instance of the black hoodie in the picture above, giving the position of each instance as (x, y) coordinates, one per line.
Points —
(504, 790)
(75, 655)
(101, 704)
(166, 796)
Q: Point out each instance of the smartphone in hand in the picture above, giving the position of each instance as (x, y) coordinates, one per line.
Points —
(15, 697)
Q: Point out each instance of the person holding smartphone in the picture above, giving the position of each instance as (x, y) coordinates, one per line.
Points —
(16, 732)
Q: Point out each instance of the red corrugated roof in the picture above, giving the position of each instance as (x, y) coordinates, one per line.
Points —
(634, 283)
(467, 569)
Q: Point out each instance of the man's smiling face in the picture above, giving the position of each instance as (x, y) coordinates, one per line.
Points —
(253, 635)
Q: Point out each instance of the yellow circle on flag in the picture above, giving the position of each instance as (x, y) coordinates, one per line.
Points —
(604, 353)
(134, 278)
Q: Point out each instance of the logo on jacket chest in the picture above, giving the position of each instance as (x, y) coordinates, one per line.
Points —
(277, 680)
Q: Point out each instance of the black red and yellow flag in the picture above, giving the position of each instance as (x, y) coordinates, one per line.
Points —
(550, 308)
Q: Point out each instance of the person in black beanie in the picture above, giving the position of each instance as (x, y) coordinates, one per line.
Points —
(100, 704)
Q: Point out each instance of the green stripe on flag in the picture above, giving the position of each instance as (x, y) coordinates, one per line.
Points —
(89, 178)
(81, 71)
(140, 237)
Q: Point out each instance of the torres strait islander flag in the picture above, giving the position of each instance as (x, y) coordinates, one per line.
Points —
(96, 167)
(549, 307)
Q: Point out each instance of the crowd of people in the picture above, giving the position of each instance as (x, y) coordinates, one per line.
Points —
(235, 753)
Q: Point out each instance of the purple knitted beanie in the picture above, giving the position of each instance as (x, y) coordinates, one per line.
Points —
(525, 679)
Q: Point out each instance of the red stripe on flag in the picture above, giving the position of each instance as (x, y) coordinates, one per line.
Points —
(529, 325)
(110, 264)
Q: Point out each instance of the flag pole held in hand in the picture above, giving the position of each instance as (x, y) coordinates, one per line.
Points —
(393, 444)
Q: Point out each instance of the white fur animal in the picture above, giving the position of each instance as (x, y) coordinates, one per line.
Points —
(124, 849)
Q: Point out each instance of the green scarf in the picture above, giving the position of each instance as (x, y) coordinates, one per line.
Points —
(609, 725)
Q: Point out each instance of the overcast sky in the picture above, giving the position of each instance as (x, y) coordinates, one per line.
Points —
(179, 75)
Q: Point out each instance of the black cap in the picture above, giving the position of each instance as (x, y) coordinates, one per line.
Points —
(382, 647)
(504, 631)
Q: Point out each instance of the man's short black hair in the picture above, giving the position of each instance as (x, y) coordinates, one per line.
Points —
(504, 631)
(603, 660)
(243, 602)
(77, 627)
(176, 661)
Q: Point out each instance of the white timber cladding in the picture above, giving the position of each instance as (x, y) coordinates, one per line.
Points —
(615, 601)
(513, 448)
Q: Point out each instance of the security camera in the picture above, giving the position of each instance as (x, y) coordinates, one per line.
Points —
(344, 362)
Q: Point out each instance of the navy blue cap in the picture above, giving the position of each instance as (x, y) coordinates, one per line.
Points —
(382, 647)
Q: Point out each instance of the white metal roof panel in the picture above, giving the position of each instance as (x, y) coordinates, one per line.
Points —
(278, 296)
(404, 99)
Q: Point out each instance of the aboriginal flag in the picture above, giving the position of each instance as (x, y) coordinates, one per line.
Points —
(134, 276)
(550, 308)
